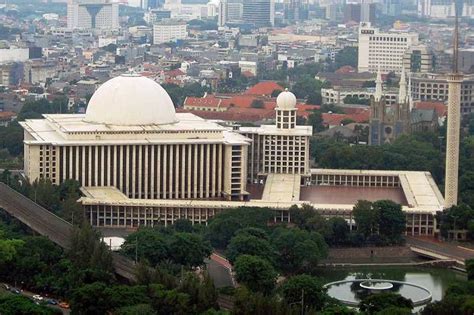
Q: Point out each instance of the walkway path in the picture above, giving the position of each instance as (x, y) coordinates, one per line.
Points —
(451, 250)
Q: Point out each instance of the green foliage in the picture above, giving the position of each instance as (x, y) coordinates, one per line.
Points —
(142, 309)
(20, 305)
(35, 109)
(470, 268)
(310, 89)
(392, 220)
(11, 138)
(348, 56)
(459, 217)
(91, 299)
(245, 243)
(356, 100)
(8, 249)
(248, 302)
(224, 225)
(375, 303)
(178, 94)
(155, 246)
(307, 288)
(298, 250)
(257, 104)
(255, 273)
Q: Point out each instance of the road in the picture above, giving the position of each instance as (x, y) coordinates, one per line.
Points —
(30, 295)
(50, 225)
(451, 250)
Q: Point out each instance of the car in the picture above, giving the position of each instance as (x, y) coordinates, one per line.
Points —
(37, 297)
(64, 305)
(15, 290)
(52, 302)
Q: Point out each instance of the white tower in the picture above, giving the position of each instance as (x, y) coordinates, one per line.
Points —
(378, 86)
(286, 110)
(454, 126)
(402, 91)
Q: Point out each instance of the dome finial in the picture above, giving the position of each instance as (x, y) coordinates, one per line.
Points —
(286, 100)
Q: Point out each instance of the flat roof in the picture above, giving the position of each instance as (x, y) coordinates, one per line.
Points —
(71, 129)
(417, 193)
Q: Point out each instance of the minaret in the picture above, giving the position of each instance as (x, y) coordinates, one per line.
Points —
(286, 110)
(402, 91)
(454, 124)
(378, 86)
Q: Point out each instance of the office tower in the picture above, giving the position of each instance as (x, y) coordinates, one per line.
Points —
(260, 13)
(295, 10)
(168, 31)
(92, 14)
(383, 49)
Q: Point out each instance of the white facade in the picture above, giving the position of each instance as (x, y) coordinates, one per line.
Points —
(14, 54)
(169, 31)
(384, 50)
(443, 9)
(92, 14)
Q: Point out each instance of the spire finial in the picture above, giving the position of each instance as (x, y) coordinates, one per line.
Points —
(456, 38)
(378, 85)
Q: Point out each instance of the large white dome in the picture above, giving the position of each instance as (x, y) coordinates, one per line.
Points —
(286, 100)
(130, 100)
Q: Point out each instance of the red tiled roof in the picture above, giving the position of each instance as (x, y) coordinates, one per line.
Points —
(174, 73)
(332, 119)
(236, 114)
(439, 107)
(346, 69)
(248, 74)
(264, 88)
(7, 115)
(208, 101)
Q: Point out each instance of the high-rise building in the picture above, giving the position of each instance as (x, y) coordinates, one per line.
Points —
(419, 59)
(92, 14)
(260, 13)
(384, 50)
(359, 12)
(169, 31)
(392, 7)
(230, 11)
(295, 10)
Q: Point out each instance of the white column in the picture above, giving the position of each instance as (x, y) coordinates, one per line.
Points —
(152, 172)
(146, 178)
(208, 152)
(140, 171)
(63, 157)
(183, 171)
(76, 162)
(214, 171)
(89, 171)
(201, 169)
(188, 168)
(102, 166)
(120, 180)
(165, 171)
(127, 171)
(171, 172)
(134, 170)
(96, 166)
(219, 170)
(176, 172)
(158, 172)
(109, 182)
(195, 177)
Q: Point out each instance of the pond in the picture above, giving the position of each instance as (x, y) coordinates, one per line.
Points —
(436, 280)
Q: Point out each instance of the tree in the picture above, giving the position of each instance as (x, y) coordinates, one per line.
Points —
(337, 231)
(308, 88)
(202, 293)
(255, 273)
(17, 304)
(315, 119)
(470, 269)
(148, 244)
(305, 287)
(298, 250)
(257, 104)
(91, 299)
(348, 56)
(375, 303)
(188, 249)
(8, 249)
(391, 218)
(166, 302)
(247, 302)
(366, 217)
(244, 243)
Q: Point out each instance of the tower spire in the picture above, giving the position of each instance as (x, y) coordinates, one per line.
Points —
(402, 91)
(456, 39)
(455, 80)
(378, 86)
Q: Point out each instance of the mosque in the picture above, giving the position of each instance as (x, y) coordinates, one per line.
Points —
(141, 163)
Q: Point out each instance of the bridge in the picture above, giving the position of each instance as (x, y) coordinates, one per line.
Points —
(53, 227)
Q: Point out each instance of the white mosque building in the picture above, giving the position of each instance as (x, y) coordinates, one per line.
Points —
(141, 163)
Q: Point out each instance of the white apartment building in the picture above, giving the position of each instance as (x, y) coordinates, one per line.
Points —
(169, 31)
(443, 9)
(383, 50)
(92, 14)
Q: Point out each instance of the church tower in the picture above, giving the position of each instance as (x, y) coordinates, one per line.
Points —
(454, 124)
